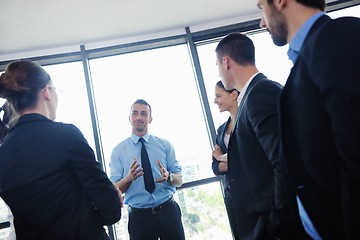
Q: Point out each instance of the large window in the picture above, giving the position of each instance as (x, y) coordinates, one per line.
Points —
(73, 104)
(165, 79)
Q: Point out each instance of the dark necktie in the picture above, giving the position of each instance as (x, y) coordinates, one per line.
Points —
(148, 176)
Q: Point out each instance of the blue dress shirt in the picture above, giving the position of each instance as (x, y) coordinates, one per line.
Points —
(158, 149)
(299, 38)
(293, 52)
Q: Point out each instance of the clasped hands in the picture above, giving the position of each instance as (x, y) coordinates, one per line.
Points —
(218, 154)
(136, 171)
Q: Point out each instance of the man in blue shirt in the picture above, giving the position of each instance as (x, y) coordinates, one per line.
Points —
(153, 213)
(319, 114)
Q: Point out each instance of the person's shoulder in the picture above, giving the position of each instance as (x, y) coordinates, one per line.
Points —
(160, 140)
(222, 127)
(123, 144)
(263, 93)
(67, 132)
(66, 128)
(339, 37)
(265, 83)
(342, 24)
(345, 21)
(342, 27)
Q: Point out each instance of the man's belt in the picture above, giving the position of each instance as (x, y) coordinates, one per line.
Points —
(153, 210)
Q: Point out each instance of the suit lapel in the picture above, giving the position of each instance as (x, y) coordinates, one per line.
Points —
(256, 79)
(221, 140)
(318, 24)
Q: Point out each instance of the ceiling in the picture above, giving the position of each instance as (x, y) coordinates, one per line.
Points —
(30, 25)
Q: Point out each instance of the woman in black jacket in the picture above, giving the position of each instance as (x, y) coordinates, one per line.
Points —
(227, 102)
(49, 176)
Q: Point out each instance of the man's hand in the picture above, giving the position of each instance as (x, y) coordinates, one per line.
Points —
(164, 173)
(135, 171)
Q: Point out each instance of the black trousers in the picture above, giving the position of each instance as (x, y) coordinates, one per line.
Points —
(151, 224)
(231, 215)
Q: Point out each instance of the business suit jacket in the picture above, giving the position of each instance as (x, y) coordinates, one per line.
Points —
(253, 155)
(320, 122)
(54, 186)
(221, 131)
(224, 177)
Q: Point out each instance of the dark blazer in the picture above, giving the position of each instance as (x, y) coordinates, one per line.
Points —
(253, 155)
(320, 122)
(224, 177)
(52, 183)
(221, 131)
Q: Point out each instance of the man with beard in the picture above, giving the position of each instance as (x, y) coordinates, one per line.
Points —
(319, 114)
(148, 185)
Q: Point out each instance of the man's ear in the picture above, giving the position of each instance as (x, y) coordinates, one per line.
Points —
(235, 94)
(45, 93)
(280, 4)
(150, 120)
(226, 62)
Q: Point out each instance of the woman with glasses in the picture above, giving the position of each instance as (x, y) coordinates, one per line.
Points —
(49, 176)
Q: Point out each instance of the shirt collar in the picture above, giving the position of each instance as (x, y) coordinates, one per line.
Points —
(299, 38)
(135, 138)
(242, 92)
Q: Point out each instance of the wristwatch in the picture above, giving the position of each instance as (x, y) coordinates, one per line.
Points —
(170, 178)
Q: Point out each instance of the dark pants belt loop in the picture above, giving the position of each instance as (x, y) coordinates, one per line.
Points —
(153, 210)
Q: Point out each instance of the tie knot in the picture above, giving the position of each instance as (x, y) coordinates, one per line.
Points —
(142, 140)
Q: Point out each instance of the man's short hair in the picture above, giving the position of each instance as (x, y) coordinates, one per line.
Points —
(239, 47)
(143, 102)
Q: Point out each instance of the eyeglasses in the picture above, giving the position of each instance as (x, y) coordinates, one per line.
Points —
(55, 88)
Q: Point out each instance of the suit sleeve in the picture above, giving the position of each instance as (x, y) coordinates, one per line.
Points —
(337, 76)
(98, 188)
(215, 163)
(263, 115)
(215, 167)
